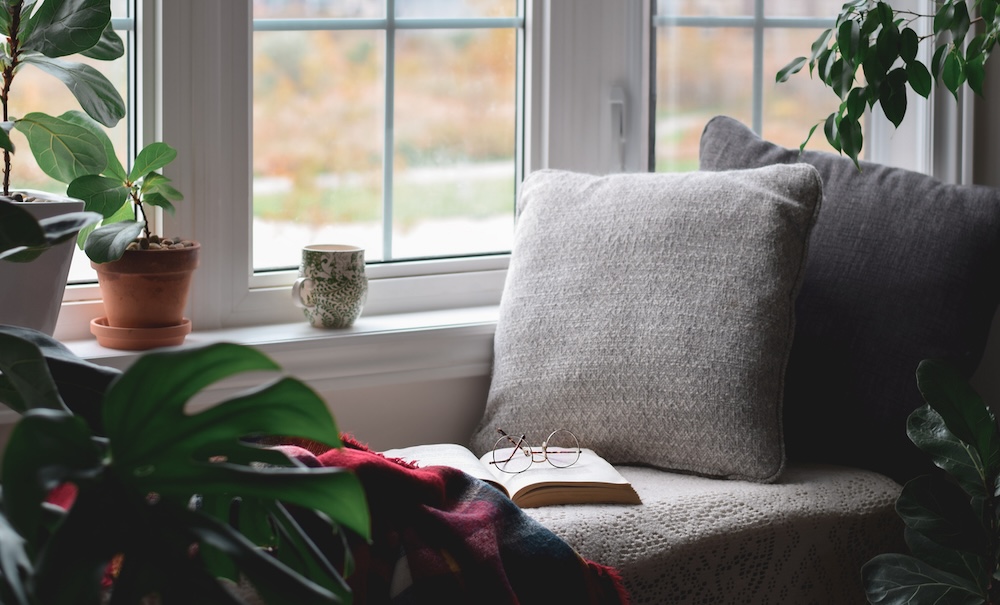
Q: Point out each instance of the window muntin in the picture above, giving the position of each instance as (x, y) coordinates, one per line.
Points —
(436, 85)
(716, 58)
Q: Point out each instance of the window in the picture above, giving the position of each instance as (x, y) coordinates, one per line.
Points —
(720, 57)
(386, 124)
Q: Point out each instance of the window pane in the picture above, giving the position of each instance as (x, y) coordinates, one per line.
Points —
(700, 73)
(700, 8)
(793, 107)
(455, 9)
(824, 9)
(317, 131)
(453, 190)
(318, 9)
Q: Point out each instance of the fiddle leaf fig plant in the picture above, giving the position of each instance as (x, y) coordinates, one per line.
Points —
(881, 42)
(120, 485)
(121, 197)
(41, 34)
(952, 520)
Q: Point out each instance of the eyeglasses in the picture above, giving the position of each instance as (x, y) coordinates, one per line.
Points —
(513, 454)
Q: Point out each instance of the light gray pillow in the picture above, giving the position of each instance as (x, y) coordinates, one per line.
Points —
(652, 315)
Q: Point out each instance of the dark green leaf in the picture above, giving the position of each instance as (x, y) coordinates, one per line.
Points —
(15, 565)
(871, 23)
(850, 138)
(5, 142)
(908, 43)
(887, 45)
(24, 367)
(820, 44)
(841, 78)
(158, 199)
(830, 130)
(941, 511)
(824, 64)
(67, 27)
(152, 157)
(46, 449)
(892, 96)
(988, 10)
(895, 579)
(155, 182)
(5, 20)
(63, 150)
(945, 16)
(99, 194)
(975, 72)
(18, 228)
(919, 78)
(960, 23)
(886, 15)
(95, 93)
(962, 409)
(808, 136)
(874, 71)
(792, 68)
(927, 430)
(108, 48)
(114, 167)
(857, 99)
(962, 564)
(937, 62)
(125, 213)
(848, 40)
(108, 242)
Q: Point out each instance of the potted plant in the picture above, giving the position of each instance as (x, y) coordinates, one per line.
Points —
(39, 34)
(144, 279)
(109, 485)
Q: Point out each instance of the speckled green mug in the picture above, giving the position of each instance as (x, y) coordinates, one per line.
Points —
(332, 286)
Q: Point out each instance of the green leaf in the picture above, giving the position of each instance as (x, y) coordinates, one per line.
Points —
(158, 199)
(5, 142)
(125, 213)
(851, 139)
(154, 440)
(820, 44)
(937, 62)
(892, 96)
(960, 23)
(988, 10)
(874, 71)
(18, 229)
(63, 150)
(941, 511)
(927, 430)
(99, 194)
(114, 167)
(812, 130)
(23, 367)
(108, 48)
(962, 564)
(95, 93)
(962, 409)
(885, 14)
(919, 78)
(5, 20)
(975, 72)
(887, 45)
(67, 27)
(849, 40)
(895, 579)
(152, 157)
(46, 449)
(108, 242)
(945, 16)
(857, 99)
(155, 182)
(830, 128)
(792, 68)
(841, 78)
(908, 43)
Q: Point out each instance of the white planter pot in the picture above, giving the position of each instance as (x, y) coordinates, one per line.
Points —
(31, 293)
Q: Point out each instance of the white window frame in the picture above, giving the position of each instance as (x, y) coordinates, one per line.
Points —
(582, 56)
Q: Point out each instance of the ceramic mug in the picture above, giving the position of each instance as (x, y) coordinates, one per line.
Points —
(332, 286)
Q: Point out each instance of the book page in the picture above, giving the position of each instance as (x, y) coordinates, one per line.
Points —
(446, 454)
(591, 479)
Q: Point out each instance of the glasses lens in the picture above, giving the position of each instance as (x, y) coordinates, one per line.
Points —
(510, 459)
(562, 448)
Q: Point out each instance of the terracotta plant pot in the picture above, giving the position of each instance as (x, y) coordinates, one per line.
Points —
(147, 289)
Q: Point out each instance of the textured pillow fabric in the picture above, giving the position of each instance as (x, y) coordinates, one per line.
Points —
(901, 267)
(652, 314)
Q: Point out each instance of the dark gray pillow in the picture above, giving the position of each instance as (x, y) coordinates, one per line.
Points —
(902, 267)
(652, 315)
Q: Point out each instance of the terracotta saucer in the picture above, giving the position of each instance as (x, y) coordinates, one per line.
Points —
(138, 339)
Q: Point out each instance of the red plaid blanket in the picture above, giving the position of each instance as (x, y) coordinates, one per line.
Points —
(441, 536)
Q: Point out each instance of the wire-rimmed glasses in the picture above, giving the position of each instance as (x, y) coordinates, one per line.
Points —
(513, 454)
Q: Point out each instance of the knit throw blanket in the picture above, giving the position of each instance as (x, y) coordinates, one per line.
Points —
(441, 536)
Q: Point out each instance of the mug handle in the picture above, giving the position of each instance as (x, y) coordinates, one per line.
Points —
(297, 298)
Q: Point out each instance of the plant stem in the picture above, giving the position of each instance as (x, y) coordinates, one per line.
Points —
(8, 80)
(139, 210)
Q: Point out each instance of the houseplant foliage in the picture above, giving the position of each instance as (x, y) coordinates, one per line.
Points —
(952, 520)
(869, 58)
(170, 499)
(41, 34)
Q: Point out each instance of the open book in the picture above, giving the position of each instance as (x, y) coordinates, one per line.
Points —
(591, 480)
